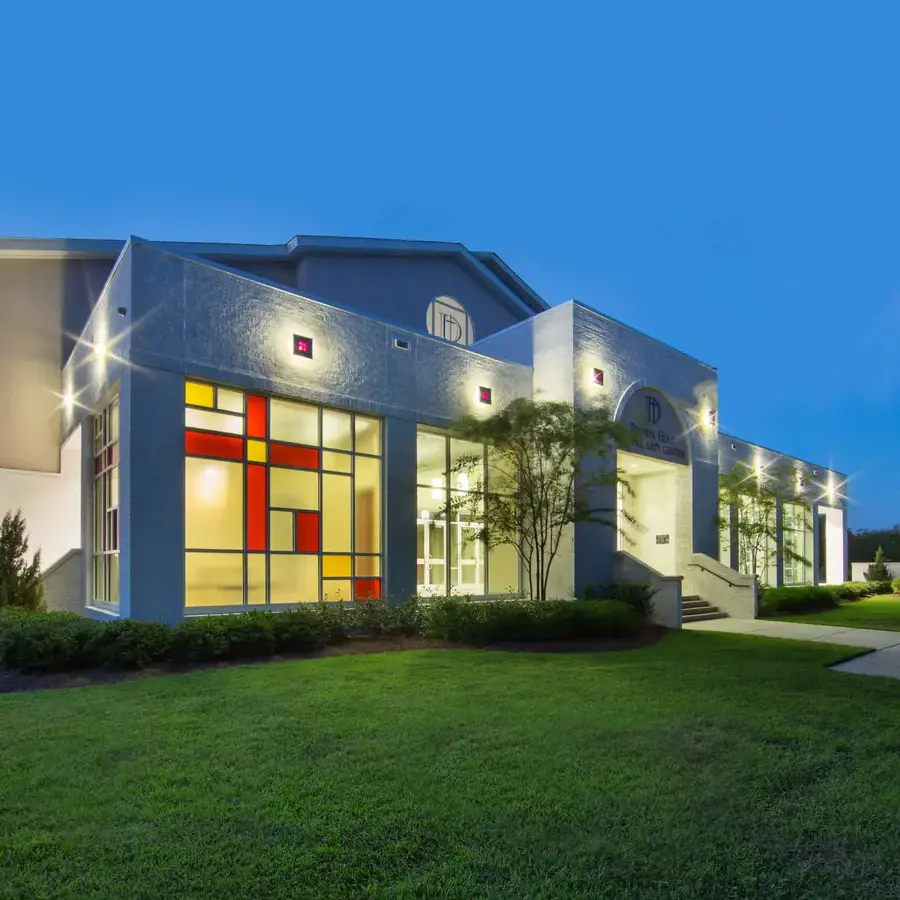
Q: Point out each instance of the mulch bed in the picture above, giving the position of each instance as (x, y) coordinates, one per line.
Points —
(15, 682)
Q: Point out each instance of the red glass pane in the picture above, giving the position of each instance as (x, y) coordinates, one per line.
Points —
(367, 589)
(257, 420)
(288, 455)
(257, 508)
(199, 443)
(307, 532)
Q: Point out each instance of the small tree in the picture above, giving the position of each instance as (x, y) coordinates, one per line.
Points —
(20, 583)
(756, 495)
(878, 571)
(544, 462)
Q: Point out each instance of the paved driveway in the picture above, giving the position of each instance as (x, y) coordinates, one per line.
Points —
(885, 661)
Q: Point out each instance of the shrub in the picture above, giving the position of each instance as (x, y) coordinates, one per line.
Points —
(297, 631)
(203, 639)
(408, 618)
(20, 581)
(803, 598)
(129, 643)
(854, 590)
(333, 621)
(895, 585)
(463, 620)
(637, 595)
(48, 642)
(878, 571)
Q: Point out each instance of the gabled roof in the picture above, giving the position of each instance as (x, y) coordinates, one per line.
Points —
(485, 267)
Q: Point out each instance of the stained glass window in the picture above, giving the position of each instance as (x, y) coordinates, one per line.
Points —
(106, 505)
(282, 501)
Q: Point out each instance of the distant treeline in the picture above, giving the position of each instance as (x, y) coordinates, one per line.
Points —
(864, 543)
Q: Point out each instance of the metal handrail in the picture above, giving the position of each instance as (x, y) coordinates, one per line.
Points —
(720, 577)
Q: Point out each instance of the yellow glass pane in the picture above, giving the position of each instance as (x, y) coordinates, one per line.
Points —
(368, 566)
(256, 451)
(281, 530)
(336, 567)
(336, 462)
(367, 484)
(256, 578)
(336, 514)
(368, 435)
(336, 430)
(293, 488)
(332, 591)
(293, 578)
(213, 504)
(214, 421)
(213, 579)
(230, 401)
(295, 423)
(197, 394)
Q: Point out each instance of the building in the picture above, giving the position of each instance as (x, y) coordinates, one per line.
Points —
(195, 428)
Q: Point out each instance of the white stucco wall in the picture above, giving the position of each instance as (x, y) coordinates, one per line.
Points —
(51, 503)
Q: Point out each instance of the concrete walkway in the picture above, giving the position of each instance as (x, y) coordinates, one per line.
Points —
(884, 662)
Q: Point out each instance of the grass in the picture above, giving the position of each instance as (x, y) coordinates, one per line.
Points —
(706, 766)
(872, 612)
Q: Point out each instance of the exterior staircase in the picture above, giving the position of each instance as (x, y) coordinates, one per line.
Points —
(693, 609)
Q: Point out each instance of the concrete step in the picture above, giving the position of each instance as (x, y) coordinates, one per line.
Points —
(691, 597)
(694, 604)
(703, 617)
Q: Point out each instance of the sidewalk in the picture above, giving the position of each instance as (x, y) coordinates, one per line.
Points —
(885, 662)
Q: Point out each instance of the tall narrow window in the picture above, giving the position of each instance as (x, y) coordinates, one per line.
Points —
(106, 505)
(451, 558)
(796, 536)
(282, 501)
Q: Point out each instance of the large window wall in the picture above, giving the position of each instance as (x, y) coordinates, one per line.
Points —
(105, 581)
(450, 557)
(283, 501)
(797, 536)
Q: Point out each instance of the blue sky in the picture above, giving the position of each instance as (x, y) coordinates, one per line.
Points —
(724, 176)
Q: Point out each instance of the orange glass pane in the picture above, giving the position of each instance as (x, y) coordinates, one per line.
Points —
(367, 589)
(288, 455)
(257, 417)
(224, 446)
(307, 532)
(257, 508)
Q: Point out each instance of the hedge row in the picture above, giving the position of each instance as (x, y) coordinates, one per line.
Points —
(809, 598)
(56, 642)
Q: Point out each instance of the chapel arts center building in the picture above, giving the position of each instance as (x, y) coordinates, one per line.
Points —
(201, 428)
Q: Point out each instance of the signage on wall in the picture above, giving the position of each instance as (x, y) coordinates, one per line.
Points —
(655, 427)
(447, 318)
(662, 539)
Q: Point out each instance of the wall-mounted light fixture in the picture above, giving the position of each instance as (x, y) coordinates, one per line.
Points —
(484, 396)
(710, 418)
(598, 377)
(122, 311)
(401, 344)
(303, 346)
(68, 400)
(100, 350)
(734, 446)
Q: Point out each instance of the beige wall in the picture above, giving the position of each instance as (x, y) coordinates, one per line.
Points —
(40, 300)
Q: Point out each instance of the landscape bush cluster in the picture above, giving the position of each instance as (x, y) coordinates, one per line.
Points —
(809, 598)
(34, 641)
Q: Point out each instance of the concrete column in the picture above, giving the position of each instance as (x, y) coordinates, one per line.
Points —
(705, 506)
(400, 509)
(590, 560)
(817, 549)
(151, 475)
(779, 543)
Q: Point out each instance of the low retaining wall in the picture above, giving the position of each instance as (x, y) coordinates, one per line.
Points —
(666, 600)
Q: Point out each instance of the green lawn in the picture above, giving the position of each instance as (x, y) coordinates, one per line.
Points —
(707, 766)
(873, 612)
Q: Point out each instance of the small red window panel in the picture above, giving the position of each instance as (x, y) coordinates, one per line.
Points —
(256, 508)
(199, 443)
(307, 532)
(257, 420)
(367, 589)
(287, 455)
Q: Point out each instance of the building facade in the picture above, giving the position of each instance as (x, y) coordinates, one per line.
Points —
(210, 428)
